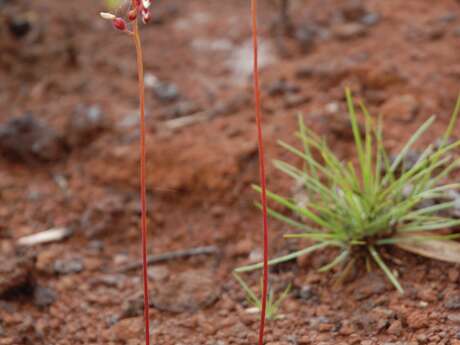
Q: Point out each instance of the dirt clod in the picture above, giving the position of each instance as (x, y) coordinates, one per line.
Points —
(28, 139)
(403, 108)
(452, 302)
(417, 320)
(16, 275)
(44, 296)
(68, 266)
(128, 330)
(85, 124)
(395, 328)
(187, 291)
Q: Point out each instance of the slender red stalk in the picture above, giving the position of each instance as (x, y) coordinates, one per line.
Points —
(263, 182)
(143, 192)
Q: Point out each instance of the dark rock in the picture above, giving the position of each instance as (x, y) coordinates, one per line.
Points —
(108, 214)
(452, 302)
(448, 18)
(281, 87)
(19, 27)
(370, 19)
(164, 13)
(328, 74)
(295, 100)
(353, 11)
(307, 292)
(454, 317)
(15, 276)
(112, 320)
(180, 109)
(43, 296)
(164, 91)
(68, 266)
(304, 72)
(305, 35)
(316, 322)
(110, 280)
(85, 124)
(435, 32)
(132, 307)
(28, 139)
(231, 106)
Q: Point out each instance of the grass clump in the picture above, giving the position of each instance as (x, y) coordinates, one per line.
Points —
(273, 303)
(377, 202)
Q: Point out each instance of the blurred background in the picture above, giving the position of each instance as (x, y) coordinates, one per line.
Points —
(69, 152)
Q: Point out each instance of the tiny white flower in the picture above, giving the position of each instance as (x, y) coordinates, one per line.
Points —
(107, 16)
(146, 3)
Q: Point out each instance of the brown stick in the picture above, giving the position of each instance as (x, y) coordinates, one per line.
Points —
(180, 254)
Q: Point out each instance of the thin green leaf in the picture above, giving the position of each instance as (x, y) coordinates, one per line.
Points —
(285, 258)
(338, 259)
(375, 255)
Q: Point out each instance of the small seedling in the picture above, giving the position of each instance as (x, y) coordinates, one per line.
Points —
(138, 9)
(358, 208)
(273, 303)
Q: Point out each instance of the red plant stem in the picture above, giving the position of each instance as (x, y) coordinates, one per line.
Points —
(263, 182)
(143, 191)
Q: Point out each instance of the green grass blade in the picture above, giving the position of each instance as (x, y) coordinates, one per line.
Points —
(299, 210)
(289, 221)
(355, 128)
(396, 239)
(414, 226)
(337, 260)
(375, 255)
(428, 210)
(415, 137)
(250, 295)
(285, 258)
(452, 122)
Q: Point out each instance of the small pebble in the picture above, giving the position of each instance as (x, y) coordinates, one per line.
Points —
(68, 266)
(44, 296)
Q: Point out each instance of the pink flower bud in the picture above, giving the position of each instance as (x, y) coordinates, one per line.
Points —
(146, 16)
(132, 15)
(119, 24)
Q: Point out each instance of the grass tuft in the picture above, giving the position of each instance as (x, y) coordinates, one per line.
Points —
(376, 202)
(273, 304)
